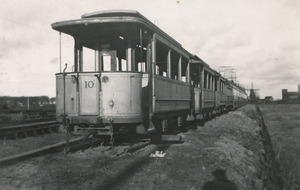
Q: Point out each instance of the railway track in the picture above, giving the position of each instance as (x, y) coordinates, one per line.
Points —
(22, 122)
(77, 144)
(126, 144)
(25, 130)
(130, 144)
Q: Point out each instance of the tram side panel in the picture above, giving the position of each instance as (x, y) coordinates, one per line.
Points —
(229, 98)
(240, 99)
(172, 98)
(196, 73)
(223, 98)
(236, 98)
(219, 104)
(217, 100)
(121, 97)
(208, 99)
(208, 92)
(67, 100)
(88, 94)
(197, 101)
(118, 97)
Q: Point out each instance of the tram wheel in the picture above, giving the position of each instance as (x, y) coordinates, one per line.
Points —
(132, 130)
(210, 114)
(173, 123)
(157, 136)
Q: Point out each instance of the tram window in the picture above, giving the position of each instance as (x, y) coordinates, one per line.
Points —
(123, 65)
(161, 58)
(106, 60)
(118, 65)
(209, 79)
(175, 57)
(156, 69)
(140, 55)
(184, 65)
(222, 87)
(88, 57)
(195, 75)
(165, 55)
(161, 69)
(141, 67)
(216, 85)
(174, 73)
(212, 83)
(205, 79)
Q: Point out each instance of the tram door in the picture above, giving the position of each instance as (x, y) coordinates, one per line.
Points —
(89, 94)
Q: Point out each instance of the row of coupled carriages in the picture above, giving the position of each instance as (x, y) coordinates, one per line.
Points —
(140, 76)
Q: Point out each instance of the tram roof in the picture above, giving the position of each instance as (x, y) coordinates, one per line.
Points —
(91, 24)
(197, 60)
(114, 13)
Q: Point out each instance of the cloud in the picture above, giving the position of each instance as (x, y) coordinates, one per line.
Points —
(233, 40)
(54, 60)
(290, 46)
(293, 4)
(13, 43)
(247, 35)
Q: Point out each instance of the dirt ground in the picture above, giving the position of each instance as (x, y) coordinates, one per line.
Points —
(283, 121)
(11, 147)
(225, 152)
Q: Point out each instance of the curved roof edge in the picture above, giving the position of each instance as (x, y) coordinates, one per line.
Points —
(114, 12)
(95, 17)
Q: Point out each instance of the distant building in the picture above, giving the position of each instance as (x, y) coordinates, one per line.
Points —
(291, 97)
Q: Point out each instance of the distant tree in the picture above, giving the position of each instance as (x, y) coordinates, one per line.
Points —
(4, 106)
(34, 101)
(23, 100)
(44, 100)
(53, 100)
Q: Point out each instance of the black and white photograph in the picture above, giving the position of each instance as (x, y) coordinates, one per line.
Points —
(149, 95)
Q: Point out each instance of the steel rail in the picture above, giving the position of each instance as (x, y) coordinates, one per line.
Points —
(36, 152)
(172, 137)
(25, 129)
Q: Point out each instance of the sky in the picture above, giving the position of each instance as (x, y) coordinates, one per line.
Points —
(259, 39)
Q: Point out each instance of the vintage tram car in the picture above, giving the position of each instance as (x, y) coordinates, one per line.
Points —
(142, 76)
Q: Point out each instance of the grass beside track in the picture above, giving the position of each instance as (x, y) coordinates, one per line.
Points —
(283, 121)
